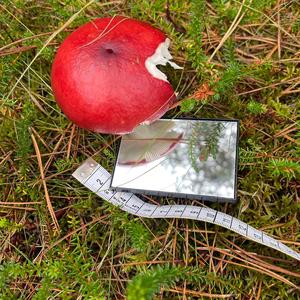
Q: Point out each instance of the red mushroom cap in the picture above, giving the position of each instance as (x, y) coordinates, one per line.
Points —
(104, 78)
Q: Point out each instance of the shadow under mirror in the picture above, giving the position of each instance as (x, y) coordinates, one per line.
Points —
(179, 157)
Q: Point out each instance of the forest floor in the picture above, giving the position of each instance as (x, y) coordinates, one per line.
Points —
(59, 241)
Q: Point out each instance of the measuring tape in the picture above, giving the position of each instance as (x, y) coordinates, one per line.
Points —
(97, 179)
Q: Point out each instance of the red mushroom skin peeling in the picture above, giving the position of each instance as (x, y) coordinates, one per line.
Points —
(104, 75)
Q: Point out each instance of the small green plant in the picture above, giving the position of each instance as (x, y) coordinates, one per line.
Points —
(228, 79)
(196, 27)
(284, 168)
(281, 109)
(146, 284)
(139, 235)
(188, 105)
(256, 108)
(4, 223)
(65, 275)
(24, 143)
(7, 225)
(64, 164)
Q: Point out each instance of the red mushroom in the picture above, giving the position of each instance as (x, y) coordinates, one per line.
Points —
(104, 76)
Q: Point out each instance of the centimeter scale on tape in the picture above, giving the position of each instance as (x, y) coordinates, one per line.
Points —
(97, 179)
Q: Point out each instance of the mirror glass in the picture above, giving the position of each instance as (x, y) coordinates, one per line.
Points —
(183, 158)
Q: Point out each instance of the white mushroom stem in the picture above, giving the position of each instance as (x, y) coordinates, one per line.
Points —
(161, 56)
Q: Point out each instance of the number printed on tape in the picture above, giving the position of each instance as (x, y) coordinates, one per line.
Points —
(176, 211)
(223, 220)
(97, 179)
(191, 212)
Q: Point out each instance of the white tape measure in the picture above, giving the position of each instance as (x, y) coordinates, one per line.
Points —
(97, 179)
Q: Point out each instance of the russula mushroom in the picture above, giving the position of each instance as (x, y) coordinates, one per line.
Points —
(148, 143)
(105, 76)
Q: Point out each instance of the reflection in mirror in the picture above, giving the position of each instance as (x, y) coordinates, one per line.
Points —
(182, 158)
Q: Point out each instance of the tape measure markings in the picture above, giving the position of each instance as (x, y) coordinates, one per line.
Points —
(91, 165)
(97, 179)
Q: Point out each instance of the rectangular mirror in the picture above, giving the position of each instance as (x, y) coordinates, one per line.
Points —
(194, 159)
